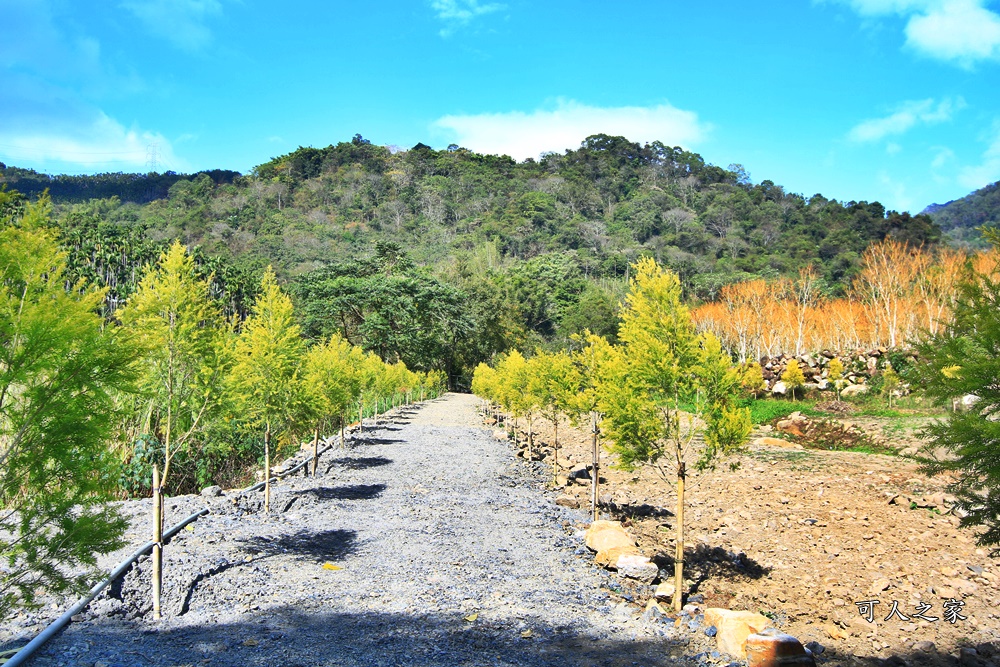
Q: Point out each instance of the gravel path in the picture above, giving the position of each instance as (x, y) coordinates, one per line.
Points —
(446, 551)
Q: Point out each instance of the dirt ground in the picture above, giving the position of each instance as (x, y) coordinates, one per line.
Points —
(804, 535)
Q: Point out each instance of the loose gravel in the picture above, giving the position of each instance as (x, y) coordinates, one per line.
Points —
(424, 542)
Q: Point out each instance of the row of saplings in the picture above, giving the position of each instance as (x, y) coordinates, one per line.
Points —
(195, 369)
(663, 394)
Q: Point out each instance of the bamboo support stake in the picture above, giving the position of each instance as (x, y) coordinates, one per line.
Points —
(595, 485)
(267, 469)
(679, 552)
(157, 542)
(315, 451)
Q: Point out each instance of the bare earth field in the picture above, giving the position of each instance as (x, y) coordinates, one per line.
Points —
(803, 535)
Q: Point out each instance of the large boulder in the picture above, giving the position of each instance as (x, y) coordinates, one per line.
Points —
(779, 388)
(853, 390)
(733, 627)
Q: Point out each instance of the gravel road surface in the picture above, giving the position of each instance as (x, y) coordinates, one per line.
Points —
(425, 542)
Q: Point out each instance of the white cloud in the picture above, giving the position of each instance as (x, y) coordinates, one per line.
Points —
(960, 31)
(522, 135)
(457, 13)
(942, 157)
(182, 22)
(99, 143)
(988, 171)
(901, 201)
(906, 117)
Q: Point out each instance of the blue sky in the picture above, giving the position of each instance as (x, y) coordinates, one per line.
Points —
(889, 100)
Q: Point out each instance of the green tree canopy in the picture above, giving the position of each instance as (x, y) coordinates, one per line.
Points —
(59, 371)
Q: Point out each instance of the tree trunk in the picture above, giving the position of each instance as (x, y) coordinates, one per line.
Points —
(361, 417)
(679, 553)
(342, 441)
(315, 451)
(267, 468)
(596, 452)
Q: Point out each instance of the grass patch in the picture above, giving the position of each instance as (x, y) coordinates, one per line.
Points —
(767, 410)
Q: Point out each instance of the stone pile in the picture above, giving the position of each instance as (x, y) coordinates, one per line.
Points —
(860, 367)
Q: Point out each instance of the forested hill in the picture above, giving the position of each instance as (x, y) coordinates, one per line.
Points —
(137, 188)
(961, 218)
(422, 253)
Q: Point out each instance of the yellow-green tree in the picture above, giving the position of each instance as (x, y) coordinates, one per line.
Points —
(663, 364)
(890, 383)
(265, 380)
(555, 380)
(330, 386)
(595, 362)
(60, 369)
(512, 394)
(835, 374)
(181, 338)
(793, 377)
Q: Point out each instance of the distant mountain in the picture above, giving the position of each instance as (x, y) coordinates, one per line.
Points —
(960, 218)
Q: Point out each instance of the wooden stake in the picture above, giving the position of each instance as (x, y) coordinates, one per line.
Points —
(157, 542)
(267, 469)
(315, 451)
(679, 552)
(596, 454)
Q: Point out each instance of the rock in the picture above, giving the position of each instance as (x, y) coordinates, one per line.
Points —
(834, 632)
(854, 390)
(878, 586)
(610, 541)
(734, 627)
(562, 480)
(605, 535)
(500, 435)
(779, 388)
(711, 631)
(664, 591)
(580, 472)
(965, 403)
(924, 646)
(212, 491)
(653, 612)
(823, 384)
(772, 648)
(776, 442)
(795, 424)
(815, 648)
(638, 567)
(566, 500)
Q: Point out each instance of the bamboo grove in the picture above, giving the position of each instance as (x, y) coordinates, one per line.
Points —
(899, 292)
(88, 406)
(662, 395)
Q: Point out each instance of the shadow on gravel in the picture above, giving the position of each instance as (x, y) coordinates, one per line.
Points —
(349, 492)
(294, 637)
(361, 462)
(322, 546)
(364, 441)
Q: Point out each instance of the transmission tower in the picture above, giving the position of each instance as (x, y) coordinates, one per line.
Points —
(152, 157)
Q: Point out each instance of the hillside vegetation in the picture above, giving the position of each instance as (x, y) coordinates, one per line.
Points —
(500, 253)
(962, 218)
